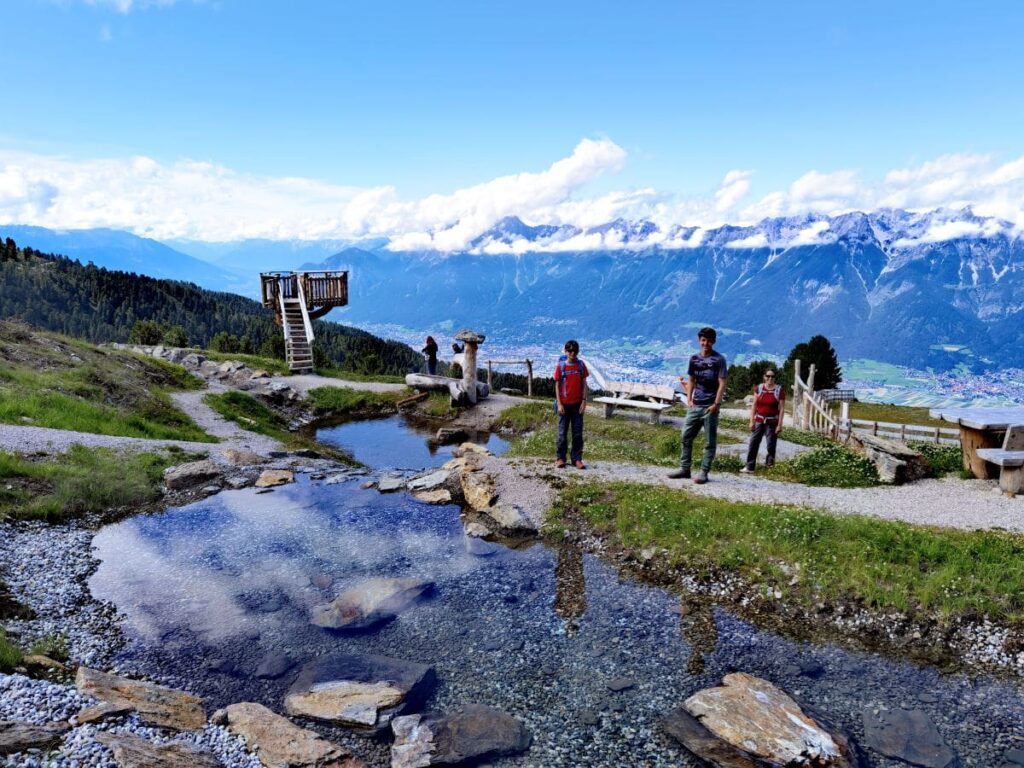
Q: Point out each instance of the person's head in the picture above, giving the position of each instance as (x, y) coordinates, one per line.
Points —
(771, 378)
(430, 340)
(706, 337)
(572, 347)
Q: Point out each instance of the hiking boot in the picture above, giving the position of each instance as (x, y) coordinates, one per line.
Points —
(560, 464)
(769, 463)
(680, 474)
(579, 464)
(747, 471)
(701, 478)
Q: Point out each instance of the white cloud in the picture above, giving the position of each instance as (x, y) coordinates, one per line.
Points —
(125, 6)
(206, 201)
(757, 240)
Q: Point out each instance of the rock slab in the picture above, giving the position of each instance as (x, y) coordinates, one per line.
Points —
(191, 474)
(272, 477)
(156, 705)
(763, 723)
(371, 603)
(359, 691)
(136, 752)
(908, 735)
(472, 733)
(16, 736)
(279, 743)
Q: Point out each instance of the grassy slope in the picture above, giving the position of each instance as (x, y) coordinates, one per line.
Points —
(48, 380)
(81, 481)
(808, 555)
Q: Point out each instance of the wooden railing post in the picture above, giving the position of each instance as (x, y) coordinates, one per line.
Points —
(797, 405)
(490, 382)
(529, 378)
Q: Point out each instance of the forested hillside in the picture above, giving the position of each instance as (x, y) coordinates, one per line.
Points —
(59, 294)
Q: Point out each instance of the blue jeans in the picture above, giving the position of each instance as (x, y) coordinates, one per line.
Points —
(766, 429)
(697, 417)
(432, 367)
(571, 417)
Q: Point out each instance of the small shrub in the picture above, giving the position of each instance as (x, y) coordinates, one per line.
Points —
(834, 466)
(53, 646)
(943, 459)
(10, 654)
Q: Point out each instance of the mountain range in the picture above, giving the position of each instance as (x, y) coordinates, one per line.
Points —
(932, 289)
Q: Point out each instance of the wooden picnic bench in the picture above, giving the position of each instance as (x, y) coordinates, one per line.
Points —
(1009, 459)
(656, 398)
(980, 429)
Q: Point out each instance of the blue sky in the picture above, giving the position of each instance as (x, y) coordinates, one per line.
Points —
(433, 98)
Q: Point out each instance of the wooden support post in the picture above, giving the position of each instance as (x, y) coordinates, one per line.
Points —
(796, 395)
(937, 434)
(529, 378)
(490, 376)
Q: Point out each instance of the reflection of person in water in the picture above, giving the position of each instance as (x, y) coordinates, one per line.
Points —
(697, 625)
(570, 587)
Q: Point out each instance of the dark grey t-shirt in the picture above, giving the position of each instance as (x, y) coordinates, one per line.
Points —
(707, 371)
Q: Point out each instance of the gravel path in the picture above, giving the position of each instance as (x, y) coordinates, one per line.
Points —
(949, 502)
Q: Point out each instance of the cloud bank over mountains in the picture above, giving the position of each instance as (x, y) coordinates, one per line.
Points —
(205, 201)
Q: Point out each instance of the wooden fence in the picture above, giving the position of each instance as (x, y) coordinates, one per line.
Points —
(812, 412)
(529, 373)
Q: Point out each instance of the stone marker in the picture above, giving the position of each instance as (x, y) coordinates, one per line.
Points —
(910, 736)
(278, 742)
(361, 691)
(472, 733)
(753, 721)
(16, 736)
(190, 474)
(136, 752)
(271, 477)
(155, 704)
(370, 603)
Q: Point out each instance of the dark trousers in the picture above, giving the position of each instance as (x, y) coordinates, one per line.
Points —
(573, 417)
(765, 429)
(432, 367)
(696, 418)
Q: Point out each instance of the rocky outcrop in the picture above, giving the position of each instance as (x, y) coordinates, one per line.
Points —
(279, 743)
(371, 603)
(478, 489)
(359, 691)
(907, 735)
(191, 474)
(748, 721)
(136, 752)
(155, 704)
(439, 496)
(471, 734)
(16, 736)
(895, 462)
(270, 478)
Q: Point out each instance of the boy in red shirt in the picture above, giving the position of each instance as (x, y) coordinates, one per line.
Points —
(571, 399)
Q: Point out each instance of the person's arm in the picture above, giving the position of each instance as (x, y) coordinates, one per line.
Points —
(583, 403)
(558, 397)
(689, 391)
(717, 405)
(782, 411)
(753, 410)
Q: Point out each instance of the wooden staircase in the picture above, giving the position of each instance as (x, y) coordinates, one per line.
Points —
(297, 347)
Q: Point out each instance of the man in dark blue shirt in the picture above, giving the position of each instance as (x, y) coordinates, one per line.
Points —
(705, 389)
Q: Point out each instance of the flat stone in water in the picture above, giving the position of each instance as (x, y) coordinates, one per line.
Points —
(365, 691)
(621, 683)
(908, 735)
(370, 603)
(273, 665)
(468, 735)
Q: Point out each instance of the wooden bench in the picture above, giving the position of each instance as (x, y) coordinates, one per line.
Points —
(1009, 459)
(656, 398)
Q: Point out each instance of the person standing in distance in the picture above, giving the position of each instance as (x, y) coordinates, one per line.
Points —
(430, 352)
(571, 402)
(766, 415)
(707, 374)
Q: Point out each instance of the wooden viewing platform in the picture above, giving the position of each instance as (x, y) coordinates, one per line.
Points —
(297, 299)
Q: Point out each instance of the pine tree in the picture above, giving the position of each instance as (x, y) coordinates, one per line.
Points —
(818, 352)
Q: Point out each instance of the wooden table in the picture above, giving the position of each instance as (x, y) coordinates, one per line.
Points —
(980, 428)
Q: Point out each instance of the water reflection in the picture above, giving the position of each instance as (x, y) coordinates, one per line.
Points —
(570, 586)
(395, 443)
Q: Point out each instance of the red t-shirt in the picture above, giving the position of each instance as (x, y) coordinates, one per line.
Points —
(768, 400)
(569, 378)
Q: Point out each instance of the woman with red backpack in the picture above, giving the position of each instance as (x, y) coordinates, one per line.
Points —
(765, 419)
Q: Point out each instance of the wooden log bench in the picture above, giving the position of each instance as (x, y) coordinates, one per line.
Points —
(1009, 459)
(611, 403)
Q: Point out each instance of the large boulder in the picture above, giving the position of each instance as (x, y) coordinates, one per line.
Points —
(371, 603)
(747, 721)
(359, 691)
(895, 462)
(277, 741)
(155, 704)
(135, 752)
(191, 474)
(511, 518)
(907, 735)
(473, 733)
